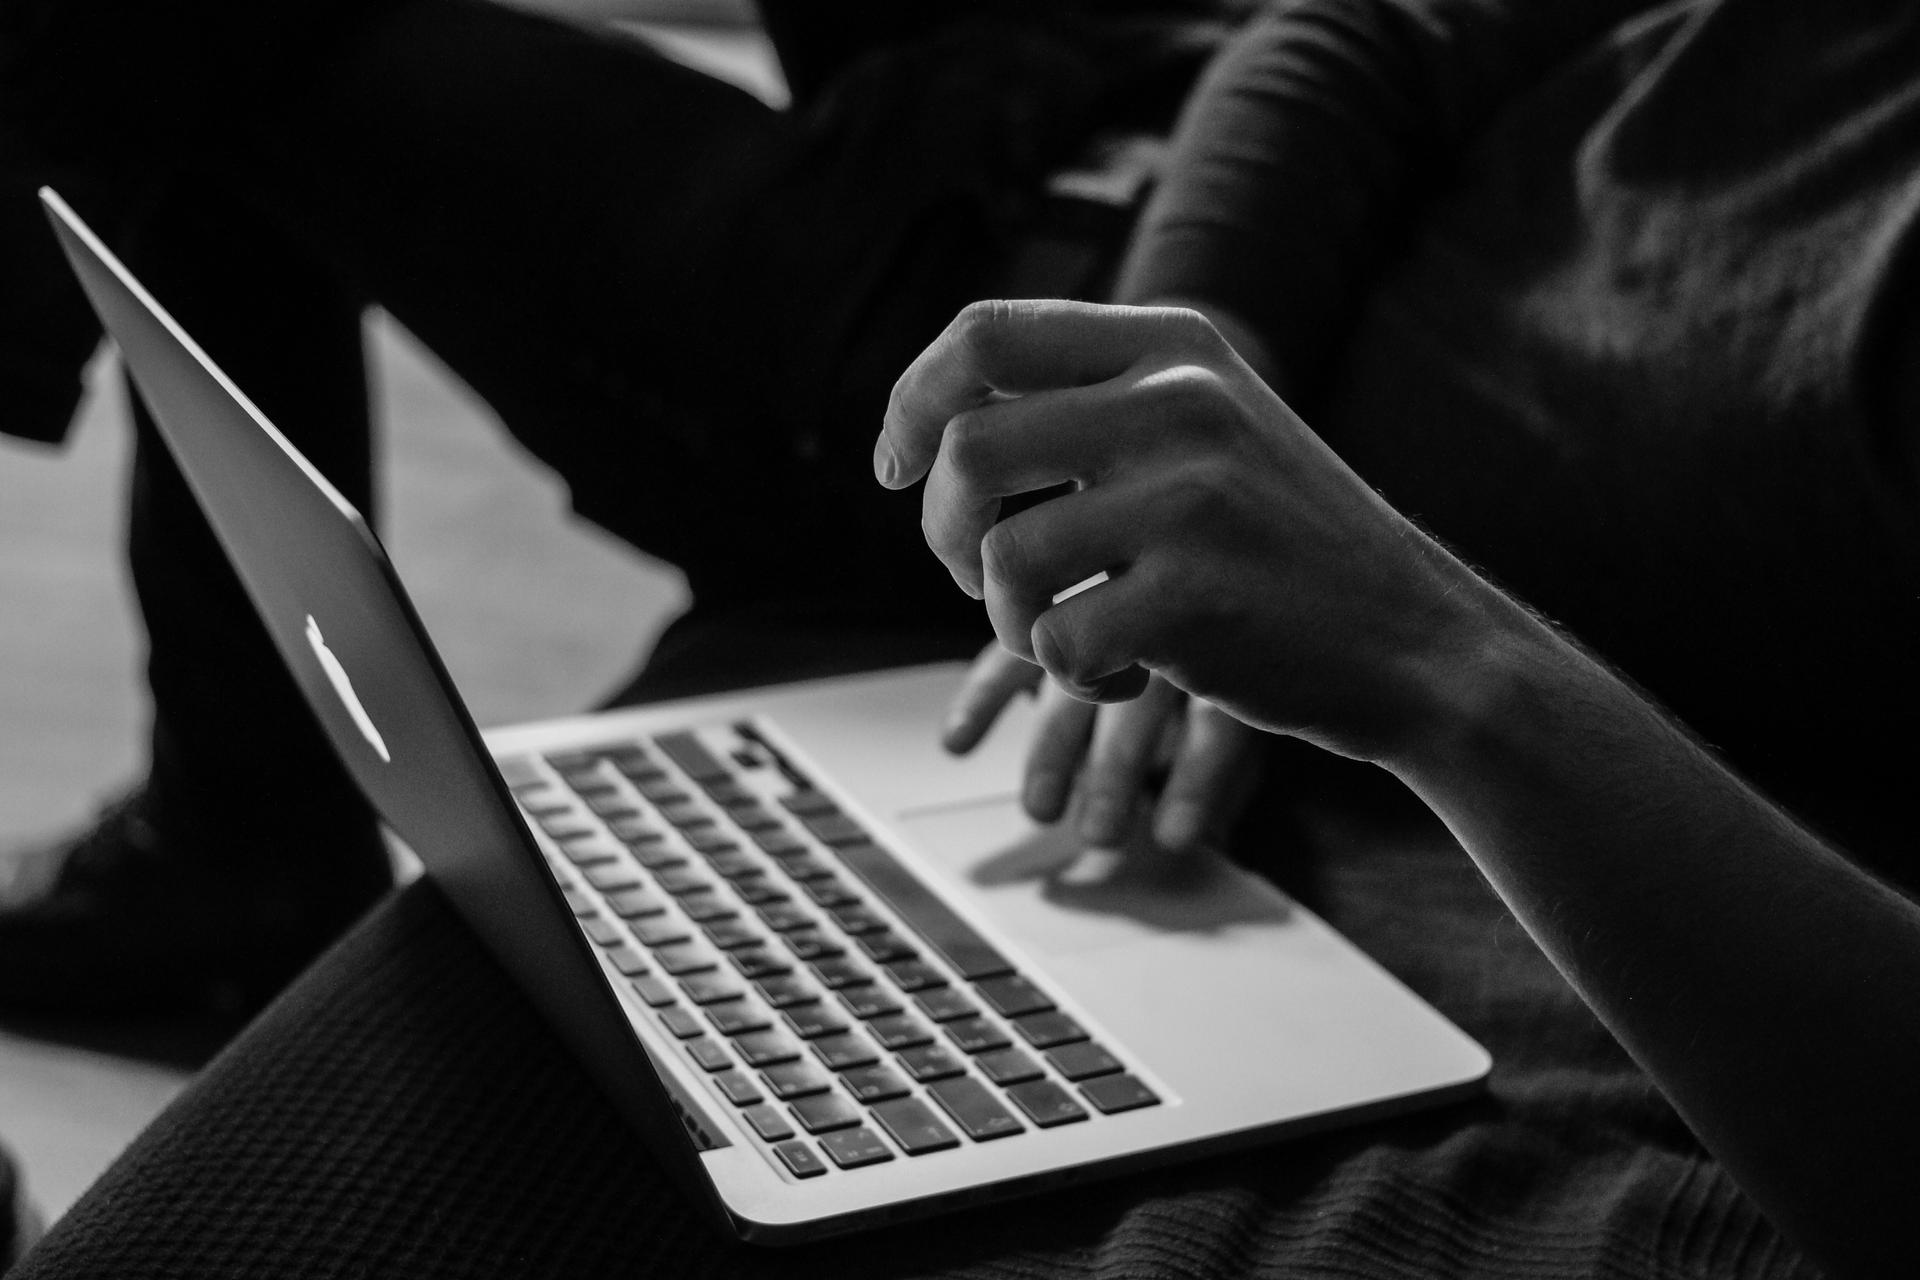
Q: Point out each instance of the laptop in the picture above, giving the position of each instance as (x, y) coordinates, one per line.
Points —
(831, 975)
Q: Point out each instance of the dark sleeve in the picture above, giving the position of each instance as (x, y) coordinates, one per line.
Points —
(1309, 140)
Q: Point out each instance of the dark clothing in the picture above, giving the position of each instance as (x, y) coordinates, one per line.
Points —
(1585, 288)
(690, 306)
(1621, 305)
(404, 1112)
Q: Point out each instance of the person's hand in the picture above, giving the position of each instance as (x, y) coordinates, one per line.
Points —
(1109, 759)
(1246, 563)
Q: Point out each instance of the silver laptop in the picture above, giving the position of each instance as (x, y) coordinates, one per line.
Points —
(831, 974)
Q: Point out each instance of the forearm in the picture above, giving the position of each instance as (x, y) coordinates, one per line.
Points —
(1765, 983)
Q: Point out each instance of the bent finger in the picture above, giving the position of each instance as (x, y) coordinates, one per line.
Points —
(1211, 780)
(993, 680)
(1014, 347)
(1059, 744)
(1125, 745)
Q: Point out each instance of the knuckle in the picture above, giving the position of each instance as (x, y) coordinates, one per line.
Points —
(1004, 553)
(968, 445)
(982, 326)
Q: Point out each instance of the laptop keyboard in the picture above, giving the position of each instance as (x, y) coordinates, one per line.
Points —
(849, 1015)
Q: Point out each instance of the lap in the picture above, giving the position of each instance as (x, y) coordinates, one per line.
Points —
(402, 1110)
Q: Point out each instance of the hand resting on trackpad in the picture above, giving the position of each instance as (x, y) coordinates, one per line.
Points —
(1062, 898)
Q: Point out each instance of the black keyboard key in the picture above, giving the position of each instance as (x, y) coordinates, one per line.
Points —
(1011, 995)
(682, 958)
(657, 855)
(1045, 1030)
(660, 789)
(789, 1080)
(827, 891)
(727, 792)
(854, 1148)
(868, 1000)
(845, 1051)
(783, 990)
(739, 1089)
(899, 1031)
(758, 891)
(785, 917)
(839, 972)
(657, 992)
(631, 904)
(759, 963)
(856, 918)
(815, 1019)
(825, 1112)
(628, 959)
(1046, 1103)
(700, 907)
(885, 946)
(809, 801)
(731, 935)
(579, 900)
(711, 988)
(708, 841)
(679, 880)
(630, 759)
(659, 931)
(1118, 1093)
(931, 1062)
(751, 816)
(604, 931)
(875, 1083)
(565, 826)
(835, 828)
(681, 1023)
(611, 804)
(740, 1018)
(1008, 1066)
(693, 757)
(915, 975)
(520, 771)
(611, 877)
(710, 1054)
(1082, 1061)
(686, 815)
(567, 761)
(980, 1115)
(769, 1122)
(589, 851)
(934, 921)
(766, 1048)
(945, 1004)
(635, 830)
(733, 864)
(811, 944)
(801, 1160)
(912, 1124)
(777, 841)
(975, 1035)
(803, 866)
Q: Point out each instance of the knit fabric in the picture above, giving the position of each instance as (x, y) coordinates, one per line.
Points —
(403, 1112)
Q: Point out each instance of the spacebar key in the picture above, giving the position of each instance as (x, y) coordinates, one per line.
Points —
(956, 940)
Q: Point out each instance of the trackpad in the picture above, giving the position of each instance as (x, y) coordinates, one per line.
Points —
(1058, 898)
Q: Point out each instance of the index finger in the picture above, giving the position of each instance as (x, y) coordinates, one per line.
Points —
(1013, 347)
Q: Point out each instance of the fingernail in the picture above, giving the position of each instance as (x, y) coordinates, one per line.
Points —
(956, 735)
(886, 467)
(1101, 821)
(1178, 825)
(1045, 796)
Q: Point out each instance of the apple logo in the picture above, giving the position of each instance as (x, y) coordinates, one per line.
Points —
(343, 687)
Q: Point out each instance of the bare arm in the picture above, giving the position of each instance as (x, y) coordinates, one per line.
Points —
(1766, 983)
